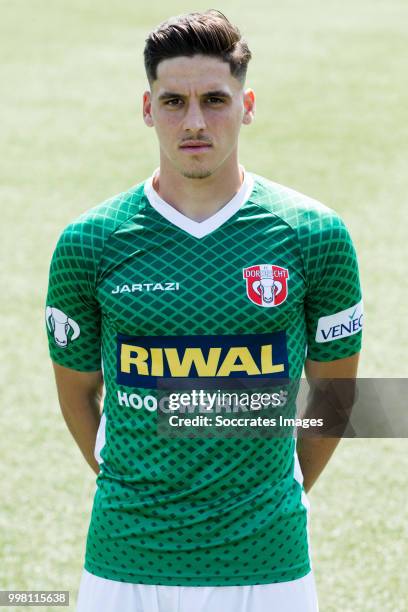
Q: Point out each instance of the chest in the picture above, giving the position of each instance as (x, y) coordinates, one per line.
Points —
(246, 277)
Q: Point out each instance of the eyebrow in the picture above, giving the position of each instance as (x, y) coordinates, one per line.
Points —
(217, 93)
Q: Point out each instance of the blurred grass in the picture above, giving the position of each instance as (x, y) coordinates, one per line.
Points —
(331, 122)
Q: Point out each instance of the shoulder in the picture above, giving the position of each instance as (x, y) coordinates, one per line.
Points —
(110, 214)
(88, 232)
(304, 214)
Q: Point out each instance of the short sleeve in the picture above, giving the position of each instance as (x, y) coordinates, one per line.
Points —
(333, 304)
(72, 313)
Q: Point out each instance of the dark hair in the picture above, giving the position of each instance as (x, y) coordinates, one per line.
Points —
(208, 33)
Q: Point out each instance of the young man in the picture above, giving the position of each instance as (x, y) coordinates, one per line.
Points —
(204, 270)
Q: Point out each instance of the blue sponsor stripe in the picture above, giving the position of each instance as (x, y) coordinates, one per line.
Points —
(251, 341)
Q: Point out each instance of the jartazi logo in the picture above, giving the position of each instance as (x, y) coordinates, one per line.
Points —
(134, 287)
(340, 325)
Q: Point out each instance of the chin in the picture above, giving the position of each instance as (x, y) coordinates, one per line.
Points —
(196, 174)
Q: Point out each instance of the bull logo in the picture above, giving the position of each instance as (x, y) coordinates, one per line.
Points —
(60, 324)
(266, 284)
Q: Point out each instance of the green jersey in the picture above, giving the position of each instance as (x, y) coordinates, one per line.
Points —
(148, 295)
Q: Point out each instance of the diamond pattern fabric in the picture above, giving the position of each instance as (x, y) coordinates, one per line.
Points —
(199, 511)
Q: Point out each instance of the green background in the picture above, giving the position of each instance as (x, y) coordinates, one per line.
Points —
(330, 80)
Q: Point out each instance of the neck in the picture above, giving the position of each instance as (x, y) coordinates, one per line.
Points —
(198, 199)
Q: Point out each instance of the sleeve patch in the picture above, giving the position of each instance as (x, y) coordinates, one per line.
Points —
(340, 325)
(61, 326)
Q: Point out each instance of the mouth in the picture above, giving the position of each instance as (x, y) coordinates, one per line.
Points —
(195, 147)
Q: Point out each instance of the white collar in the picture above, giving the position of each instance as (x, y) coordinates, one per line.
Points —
(199, 229)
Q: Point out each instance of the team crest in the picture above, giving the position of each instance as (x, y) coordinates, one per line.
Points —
(266, 284)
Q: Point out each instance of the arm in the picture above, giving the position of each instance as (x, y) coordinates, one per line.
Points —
(314, 453)
(80, 398)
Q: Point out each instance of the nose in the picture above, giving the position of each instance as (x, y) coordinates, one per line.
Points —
(194, 119)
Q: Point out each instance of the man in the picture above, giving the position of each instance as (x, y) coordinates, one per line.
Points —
(204, 270)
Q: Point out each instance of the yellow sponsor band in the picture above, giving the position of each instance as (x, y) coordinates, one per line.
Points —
(152, 362)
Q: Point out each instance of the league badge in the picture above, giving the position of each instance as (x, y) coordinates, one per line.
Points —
(61, 326)
(266, 284)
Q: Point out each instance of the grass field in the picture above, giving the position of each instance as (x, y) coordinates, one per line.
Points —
(330, 79)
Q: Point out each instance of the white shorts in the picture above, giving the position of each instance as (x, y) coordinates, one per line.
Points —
(101, 595)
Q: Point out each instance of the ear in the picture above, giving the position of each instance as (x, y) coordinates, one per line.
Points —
(249, 106)
(147, 109)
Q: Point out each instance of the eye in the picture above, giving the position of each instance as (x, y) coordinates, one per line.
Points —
(173, 102)
(215, 100)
